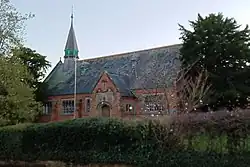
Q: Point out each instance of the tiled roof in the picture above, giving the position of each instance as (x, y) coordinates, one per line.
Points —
(122, 83)
(134, 70)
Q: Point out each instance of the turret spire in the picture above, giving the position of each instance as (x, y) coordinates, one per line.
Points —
(72, 16)
(71, 48)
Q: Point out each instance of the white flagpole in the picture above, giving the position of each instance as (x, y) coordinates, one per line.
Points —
(75, 110)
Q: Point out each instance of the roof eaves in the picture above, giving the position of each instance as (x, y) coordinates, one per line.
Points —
(53, 71)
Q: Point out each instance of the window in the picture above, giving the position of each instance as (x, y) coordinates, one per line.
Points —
(47, 108)
(129, 108)
(87, 104)
(68, 106)
(153, 103)
(104, 83)
(153, 107)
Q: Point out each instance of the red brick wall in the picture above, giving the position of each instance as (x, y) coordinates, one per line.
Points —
(101, 87)
(57, 114)
(169, 94)
(119, 101)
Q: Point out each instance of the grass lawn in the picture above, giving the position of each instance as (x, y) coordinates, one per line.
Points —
(218, 144)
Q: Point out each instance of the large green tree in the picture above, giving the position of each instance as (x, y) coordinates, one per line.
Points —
(37, 66)
(17, 103)
(11, 26)
(221, 46)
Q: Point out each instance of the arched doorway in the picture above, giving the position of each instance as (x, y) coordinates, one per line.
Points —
(105, 110)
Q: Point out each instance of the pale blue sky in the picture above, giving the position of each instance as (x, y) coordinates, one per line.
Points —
(116, 26)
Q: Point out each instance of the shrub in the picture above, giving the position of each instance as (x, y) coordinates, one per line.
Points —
(228, 130)
(11, 141)
(107, 141)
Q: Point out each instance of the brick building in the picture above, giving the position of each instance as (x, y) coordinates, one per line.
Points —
(123, 85)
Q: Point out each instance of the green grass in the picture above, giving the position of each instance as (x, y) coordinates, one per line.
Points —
(218, 144)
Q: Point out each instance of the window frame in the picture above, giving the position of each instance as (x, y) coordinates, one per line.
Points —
(63, 108)
(47, 109)
(85, 104)
(152, 106)
(127, 106)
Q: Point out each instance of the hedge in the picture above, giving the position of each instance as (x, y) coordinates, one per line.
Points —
(108, 141)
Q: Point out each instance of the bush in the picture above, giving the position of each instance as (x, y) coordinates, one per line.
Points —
(228, 131)
(107, 141)
(93, 140)
(11, 141)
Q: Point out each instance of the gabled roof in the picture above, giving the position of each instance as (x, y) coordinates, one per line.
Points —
(53, 71)
(122, 83)
(143, 69)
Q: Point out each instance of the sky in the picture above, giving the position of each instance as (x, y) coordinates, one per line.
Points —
(116, 26)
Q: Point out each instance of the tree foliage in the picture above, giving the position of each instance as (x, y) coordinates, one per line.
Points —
(37, 66)
(17, 102)
(11, 26)
(220, 46)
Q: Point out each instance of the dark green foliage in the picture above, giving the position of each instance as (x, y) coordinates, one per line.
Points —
(108, 141)
(35, 62)
(17, 104)
(3, 90)
(37, 66)
(11, 141)
(220, 46)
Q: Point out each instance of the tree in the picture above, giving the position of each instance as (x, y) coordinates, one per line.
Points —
(172, 89)
(192, 92)
(219, 46)
(37, 65)
(11, 26)
(17, 103)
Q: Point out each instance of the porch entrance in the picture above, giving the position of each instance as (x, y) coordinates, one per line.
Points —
(105, 110)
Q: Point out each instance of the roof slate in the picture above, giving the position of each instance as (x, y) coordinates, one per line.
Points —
(143, 69)
(71, 43)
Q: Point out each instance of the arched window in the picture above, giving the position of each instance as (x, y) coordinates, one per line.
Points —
(87, 104)
(47, 108)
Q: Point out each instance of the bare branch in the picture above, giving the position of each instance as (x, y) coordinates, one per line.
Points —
(11, 26)
(193, 92)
